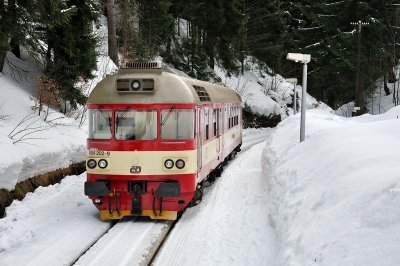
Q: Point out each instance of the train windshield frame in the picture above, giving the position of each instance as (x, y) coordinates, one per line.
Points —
(177, 123)
(136, 124)
(100, 123)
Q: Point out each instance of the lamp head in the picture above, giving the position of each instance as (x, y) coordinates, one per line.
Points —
(302, 58)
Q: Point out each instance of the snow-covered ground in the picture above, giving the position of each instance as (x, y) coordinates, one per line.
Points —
(231, 226)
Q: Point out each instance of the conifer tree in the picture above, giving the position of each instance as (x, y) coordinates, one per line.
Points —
(73, 47)
(265, 31)
(231, 35)
(215, 32)
(322, 28)
(127, 30)
(156, 24)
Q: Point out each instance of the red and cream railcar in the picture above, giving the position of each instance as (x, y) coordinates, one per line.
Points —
(155, 137)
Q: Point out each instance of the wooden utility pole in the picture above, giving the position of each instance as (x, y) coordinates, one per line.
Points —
(359, 24)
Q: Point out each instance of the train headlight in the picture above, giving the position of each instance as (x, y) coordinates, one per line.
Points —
(180, 164)
(103, 163)
(135, 85)
(91, 163)
(169, 163)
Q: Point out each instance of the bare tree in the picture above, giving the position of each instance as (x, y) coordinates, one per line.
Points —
(46, 95)
(25, 130)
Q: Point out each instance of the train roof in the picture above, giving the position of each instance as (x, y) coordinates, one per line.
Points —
(156, 83)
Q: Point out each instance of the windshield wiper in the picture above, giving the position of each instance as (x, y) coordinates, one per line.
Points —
(119, 117)
(108, 118)
(169, 113)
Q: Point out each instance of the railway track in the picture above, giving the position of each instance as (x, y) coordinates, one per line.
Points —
(131, 241)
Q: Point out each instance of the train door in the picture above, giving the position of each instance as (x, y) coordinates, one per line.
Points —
(224, 126)
(217, 130)
(199, 139)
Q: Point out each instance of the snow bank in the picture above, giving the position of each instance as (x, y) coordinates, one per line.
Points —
(335, 196)
(31, 146)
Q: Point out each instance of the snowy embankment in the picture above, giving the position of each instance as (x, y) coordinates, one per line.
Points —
(31, 146)
(335, 197)
(265, 94)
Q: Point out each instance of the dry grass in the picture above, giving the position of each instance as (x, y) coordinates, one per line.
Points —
(24, 187)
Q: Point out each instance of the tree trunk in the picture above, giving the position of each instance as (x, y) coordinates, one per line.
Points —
(2, 53)
(14, 43)
(2, 59)
(385, 86)
(48, 58)
(112, 35)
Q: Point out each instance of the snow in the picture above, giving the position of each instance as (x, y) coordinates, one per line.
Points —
(31, 146)
(329, 200)
(333, 198)
(230, 226)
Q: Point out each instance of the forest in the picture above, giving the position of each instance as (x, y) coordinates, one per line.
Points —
(350, 42)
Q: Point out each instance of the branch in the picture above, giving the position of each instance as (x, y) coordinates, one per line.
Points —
(17, 73)
(27, 130)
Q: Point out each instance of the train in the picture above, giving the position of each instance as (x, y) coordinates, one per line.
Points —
(155, 136)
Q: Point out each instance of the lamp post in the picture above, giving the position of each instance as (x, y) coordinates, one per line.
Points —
(302, 58)
(294, 81)
(359, 24)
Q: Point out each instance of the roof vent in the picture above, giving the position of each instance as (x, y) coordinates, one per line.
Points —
(142, 65)
(202, 93)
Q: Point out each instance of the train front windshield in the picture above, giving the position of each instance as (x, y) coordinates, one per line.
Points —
(136, 124)
(100, 123)
(141, 124)
(177, 123)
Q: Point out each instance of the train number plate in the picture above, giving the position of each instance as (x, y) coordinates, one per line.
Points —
(99, 153)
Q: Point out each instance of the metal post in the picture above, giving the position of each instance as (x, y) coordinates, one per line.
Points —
(303, 58)
(295, 100)
(303, 104)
